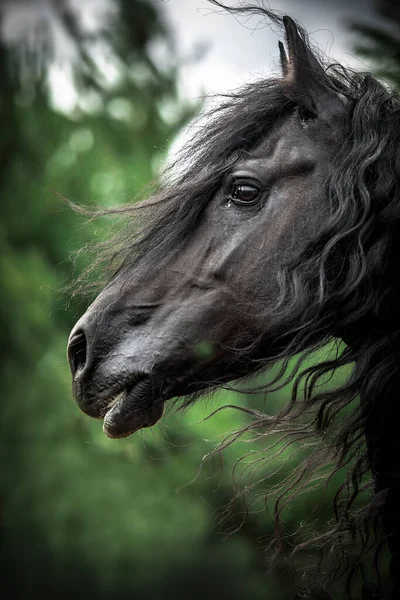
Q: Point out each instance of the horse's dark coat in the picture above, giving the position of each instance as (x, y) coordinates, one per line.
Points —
(281, 233)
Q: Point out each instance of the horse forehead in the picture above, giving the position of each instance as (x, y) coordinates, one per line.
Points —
(290, 140)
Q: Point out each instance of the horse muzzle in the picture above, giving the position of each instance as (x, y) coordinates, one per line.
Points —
(124, 367)
(126, 398)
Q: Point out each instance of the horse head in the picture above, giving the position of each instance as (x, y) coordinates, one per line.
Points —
(177, 320)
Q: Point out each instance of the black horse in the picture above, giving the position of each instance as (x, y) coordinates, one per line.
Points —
(278, 233)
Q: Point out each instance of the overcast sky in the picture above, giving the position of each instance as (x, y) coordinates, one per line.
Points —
(237, 51)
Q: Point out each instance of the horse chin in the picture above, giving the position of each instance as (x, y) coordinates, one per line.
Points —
(136, 408)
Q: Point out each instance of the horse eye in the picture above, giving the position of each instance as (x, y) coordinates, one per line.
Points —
(245, 194)
(305, 115)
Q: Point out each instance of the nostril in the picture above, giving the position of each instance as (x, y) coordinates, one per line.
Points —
(77, 348)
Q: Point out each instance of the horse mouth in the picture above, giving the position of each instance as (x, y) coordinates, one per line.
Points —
(136, 407)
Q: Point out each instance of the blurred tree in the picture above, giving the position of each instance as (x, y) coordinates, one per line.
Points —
(380, 43)
(125, 108)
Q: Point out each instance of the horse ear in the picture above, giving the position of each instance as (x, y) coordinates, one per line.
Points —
(284, 59)
(306, 81)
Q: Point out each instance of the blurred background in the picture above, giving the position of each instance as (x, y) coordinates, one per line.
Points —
(94, 96)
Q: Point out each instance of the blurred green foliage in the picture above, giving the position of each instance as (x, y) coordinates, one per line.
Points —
(84, 516)
(379, 40)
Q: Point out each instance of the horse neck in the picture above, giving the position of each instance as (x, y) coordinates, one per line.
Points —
(379, 397)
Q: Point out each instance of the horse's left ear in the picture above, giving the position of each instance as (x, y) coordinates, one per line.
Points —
(307, 83)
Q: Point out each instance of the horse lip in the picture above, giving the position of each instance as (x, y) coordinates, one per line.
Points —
(98, 403)
(137, 407)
